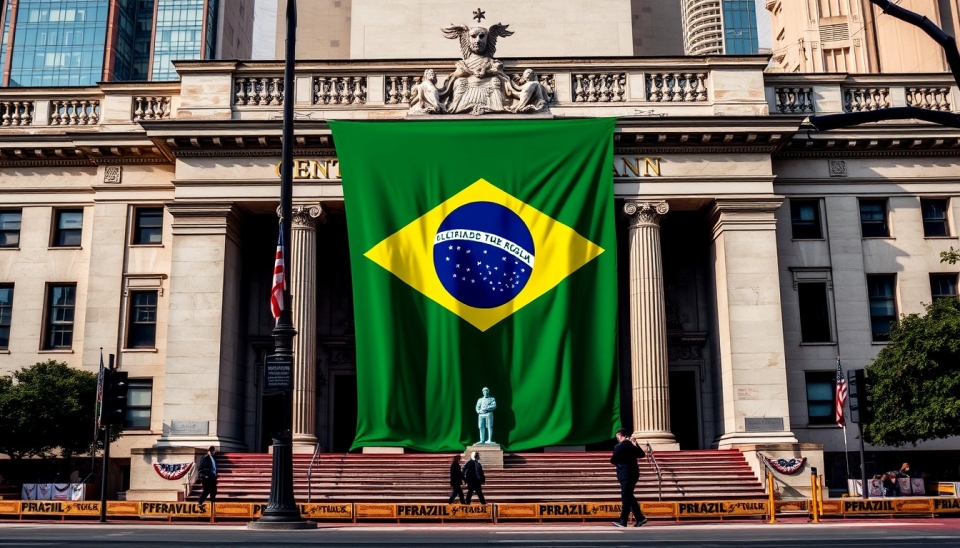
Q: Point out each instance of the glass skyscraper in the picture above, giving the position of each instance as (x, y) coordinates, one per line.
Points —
(180, 33)
(740, 27)
(719, 27)
(52, 43)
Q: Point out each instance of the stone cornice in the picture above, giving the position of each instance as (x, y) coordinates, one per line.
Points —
(873, 140)
(673, 64)
(144, 88)
(855, 80)
(756, 213)
(634, 135)
(205, 219)
(79, 148)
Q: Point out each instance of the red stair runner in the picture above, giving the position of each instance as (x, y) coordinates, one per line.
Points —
(527, 477)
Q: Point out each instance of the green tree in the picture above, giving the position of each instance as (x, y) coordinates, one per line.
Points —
(951, 256)
(916, 378)
(45, 408)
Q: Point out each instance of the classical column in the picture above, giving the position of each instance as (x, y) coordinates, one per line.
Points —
(303, 298)
(202, 370)
(648, 327)
(749, 330)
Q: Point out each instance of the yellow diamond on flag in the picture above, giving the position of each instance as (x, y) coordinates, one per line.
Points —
(483, 254)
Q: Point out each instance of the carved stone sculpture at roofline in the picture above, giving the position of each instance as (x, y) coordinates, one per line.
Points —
(478, 84)
(425, 97)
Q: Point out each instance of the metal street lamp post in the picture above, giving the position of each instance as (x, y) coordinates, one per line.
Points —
(282, 511)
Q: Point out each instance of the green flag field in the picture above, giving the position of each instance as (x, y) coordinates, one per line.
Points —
(483, 254)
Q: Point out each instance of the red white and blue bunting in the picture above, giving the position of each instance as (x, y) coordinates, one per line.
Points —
(172, 471)
(787, 466)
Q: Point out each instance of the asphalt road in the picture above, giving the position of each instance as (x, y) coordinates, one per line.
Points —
(859, 533)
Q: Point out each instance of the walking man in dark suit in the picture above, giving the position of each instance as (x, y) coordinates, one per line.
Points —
(625, 456)
(456, 480)
(473, 474)
(207, 471)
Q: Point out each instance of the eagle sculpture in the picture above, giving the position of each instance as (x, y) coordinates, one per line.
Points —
(477, 40)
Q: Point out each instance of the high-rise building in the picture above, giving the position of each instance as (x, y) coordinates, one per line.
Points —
(657, 27)
(855, 36)
(82, 42)
(373, 29)
(718, 27)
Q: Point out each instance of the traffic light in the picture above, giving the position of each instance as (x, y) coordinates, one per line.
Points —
(861, 397)
(114, 397)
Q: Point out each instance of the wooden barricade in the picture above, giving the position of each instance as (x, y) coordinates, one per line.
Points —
(539, 512)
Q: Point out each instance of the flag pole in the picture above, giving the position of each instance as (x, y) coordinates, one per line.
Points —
(98, 403)
(282, 511)
(846, 450)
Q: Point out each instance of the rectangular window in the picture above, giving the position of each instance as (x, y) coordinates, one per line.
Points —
(10, 228)
(814, 312)
(148, 225)
(805, 217)
(821, 387)
(139, 400)
(873, 219)
(883, 308)
(943, 286)
(61, 300)
(68, 229)
(934, 217)
(142, 327)
(6, 313)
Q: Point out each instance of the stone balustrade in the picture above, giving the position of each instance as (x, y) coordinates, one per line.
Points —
(340, 90)
(676, 87)
(260, 92)
(812, 94)
(599, 87)
(931, 98)
(74, 112)
(255, 91)
(794, 100)
(862, 99)
(151, 108)
(16, 113)
(398, 88)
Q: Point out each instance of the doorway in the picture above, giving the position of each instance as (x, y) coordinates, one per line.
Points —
(685, 407)
(344, 412)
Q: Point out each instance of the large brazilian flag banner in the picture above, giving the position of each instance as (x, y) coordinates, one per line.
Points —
(483, 254)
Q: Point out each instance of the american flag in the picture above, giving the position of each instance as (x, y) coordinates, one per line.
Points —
(279, 280)
(841, 393)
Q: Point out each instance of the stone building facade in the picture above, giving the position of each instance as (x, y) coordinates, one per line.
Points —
(857, 37)
(141, 218)
(372, 29)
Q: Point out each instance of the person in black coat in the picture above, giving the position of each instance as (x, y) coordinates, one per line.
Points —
(456, 480)
(207, 472)
(473, 474)
(625, 455)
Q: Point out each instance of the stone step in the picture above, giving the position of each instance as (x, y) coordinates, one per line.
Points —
(588, 476)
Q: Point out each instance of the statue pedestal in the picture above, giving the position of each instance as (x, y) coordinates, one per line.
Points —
(491, 456)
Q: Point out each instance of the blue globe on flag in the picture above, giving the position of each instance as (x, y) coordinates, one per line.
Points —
(483, 254)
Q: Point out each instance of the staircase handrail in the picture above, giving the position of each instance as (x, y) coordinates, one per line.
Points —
(763, 460)
(188, 481)
(316, 453)
(656, 467)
